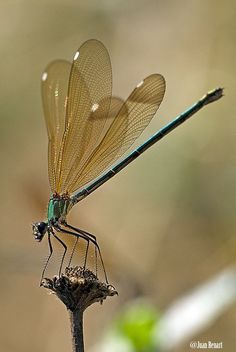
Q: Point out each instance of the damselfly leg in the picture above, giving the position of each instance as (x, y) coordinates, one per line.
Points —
(51, 232)
(73, 251)
(48, 258)
(91, 238)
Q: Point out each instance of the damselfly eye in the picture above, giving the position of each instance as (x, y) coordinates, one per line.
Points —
(39, 230)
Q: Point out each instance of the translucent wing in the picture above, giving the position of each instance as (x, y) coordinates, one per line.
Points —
(128, 124)
(90, 84)
(115, 106)
(54, 95)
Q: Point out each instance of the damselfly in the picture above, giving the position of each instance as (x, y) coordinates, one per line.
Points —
(89, 130)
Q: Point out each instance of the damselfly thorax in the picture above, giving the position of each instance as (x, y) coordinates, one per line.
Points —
(58, 208)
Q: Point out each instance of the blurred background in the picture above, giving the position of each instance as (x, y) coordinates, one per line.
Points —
(166, 224)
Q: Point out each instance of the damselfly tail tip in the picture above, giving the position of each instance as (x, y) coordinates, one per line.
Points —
(213, 95)
(219, 91)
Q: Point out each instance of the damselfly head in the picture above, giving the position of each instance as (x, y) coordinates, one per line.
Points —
(39, 230)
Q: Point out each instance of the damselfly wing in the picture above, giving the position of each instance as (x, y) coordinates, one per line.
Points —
(88, 129)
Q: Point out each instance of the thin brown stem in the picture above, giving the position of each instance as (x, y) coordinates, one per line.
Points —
(76, 324)
(78, 288)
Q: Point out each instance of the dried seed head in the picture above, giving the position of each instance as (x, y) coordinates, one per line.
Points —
(78, 288)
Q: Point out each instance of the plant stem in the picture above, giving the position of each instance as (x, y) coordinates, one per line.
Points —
(76, 323)
(78, 288)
